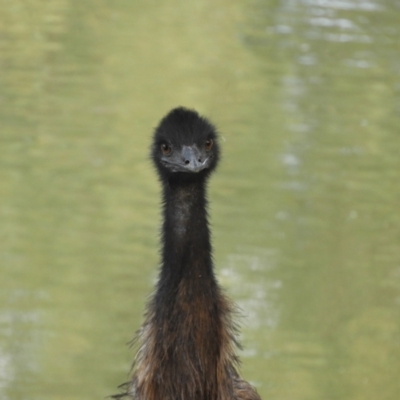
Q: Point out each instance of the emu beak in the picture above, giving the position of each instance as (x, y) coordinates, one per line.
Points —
(192, 159)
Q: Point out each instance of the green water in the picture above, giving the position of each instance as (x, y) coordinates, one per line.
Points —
(305, 206)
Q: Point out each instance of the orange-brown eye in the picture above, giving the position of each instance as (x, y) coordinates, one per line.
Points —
(166, 149)
(209, 143)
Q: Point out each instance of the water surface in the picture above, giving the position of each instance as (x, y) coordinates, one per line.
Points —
(305, 215)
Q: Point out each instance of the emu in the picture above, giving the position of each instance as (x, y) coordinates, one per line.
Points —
(188, 340)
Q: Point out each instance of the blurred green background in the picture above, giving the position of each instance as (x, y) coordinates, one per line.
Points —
(305, 206)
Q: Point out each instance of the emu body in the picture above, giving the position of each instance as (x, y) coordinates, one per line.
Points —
(187, 342)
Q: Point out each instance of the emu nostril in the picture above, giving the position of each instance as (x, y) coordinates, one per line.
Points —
(187, 162)
(199, 160)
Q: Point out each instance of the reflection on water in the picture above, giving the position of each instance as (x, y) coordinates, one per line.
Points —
(306, 94)
(338, 329)
(256, 298)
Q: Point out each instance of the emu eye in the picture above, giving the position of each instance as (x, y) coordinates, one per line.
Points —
(166, 149)
(208, 144)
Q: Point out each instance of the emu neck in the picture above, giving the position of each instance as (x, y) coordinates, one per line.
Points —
(188, 305)
(186, 237)
(187, 351)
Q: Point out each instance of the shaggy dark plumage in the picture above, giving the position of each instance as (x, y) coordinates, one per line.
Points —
(187, 342)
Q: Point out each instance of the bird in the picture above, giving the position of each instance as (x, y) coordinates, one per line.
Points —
(187, 344)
